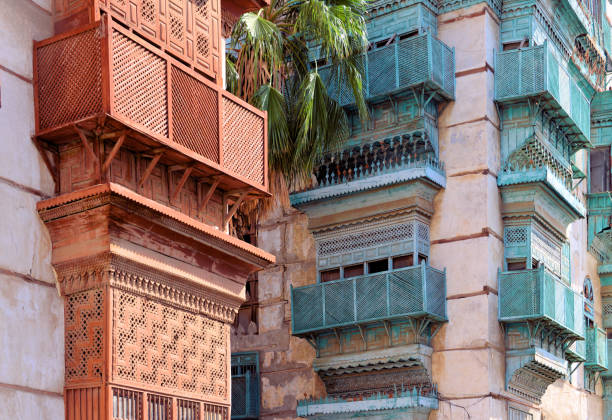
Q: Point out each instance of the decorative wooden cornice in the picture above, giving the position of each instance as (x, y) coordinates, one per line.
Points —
(112, 269)
(108, 193)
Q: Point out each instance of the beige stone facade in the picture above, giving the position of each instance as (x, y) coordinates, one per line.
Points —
(32, 333)
(467, 239)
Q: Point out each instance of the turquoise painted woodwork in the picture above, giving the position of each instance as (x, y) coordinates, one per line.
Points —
(600, 210)
(538, 295)
(545, 176)
(601, 119)
(528, 242)
(596, 350)
(534, 73)
(576, 353)
(245, 385)
(414, 292)
(402, 403)
(607, 375)
(421, 60)
(364, 179)
(385, 21)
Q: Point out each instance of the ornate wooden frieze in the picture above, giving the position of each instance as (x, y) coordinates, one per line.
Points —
(384, 370)
(532, 380)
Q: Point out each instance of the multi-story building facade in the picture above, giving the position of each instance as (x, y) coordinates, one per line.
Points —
(451, 260)
(124, 162)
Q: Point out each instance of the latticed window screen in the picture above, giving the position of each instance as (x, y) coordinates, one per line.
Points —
(214, 412)
(127, 405)
(371, 240)
(159, 407)
(516, 414)
(245, 386)
(188, 410)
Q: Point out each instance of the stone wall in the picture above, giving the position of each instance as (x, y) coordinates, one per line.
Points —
(285, 362)
(31, 311)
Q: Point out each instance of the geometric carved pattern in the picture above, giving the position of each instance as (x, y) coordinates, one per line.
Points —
(159, 345)
(545, 251)
(84, 335)
(531, 380)
(240, 153)
(367, 239)
(195, 116)
(76, 59)
(515, 235)
(140, 82)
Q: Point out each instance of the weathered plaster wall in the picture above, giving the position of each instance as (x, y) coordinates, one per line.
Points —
(31, 311)
(285, 361)
(468, 358)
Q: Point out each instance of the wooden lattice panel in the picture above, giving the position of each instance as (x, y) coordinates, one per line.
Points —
(84, 335)
(194, 114)
(162, 346)
(240, 154)
(189, 29)
(140, 81)
(78, 60)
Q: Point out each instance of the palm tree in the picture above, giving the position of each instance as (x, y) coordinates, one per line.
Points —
(268, 66)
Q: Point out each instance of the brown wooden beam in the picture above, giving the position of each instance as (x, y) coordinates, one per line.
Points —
(43, 153)
(86, 145)
(149, 169)
(234, 208)
(209, 194)
(113, 152)
(181, 183)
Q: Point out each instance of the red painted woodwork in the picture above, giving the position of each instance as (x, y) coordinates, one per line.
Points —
(149, 296)
(102, 75)
(187, 29)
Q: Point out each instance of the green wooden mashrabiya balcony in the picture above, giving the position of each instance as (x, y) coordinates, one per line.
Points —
(535, 73)
(413, 292)
(596, 349)
(538, 295)
(421, 60)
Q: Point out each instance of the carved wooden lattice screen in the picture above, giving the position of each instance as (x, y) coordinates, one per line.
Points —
(188, 29)
(144, 88)
(84, 336)
(161, 346)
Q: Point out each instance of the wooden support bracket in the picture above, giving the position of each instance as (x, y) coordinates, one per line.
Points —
(53, 170)
(149, 169)
(337, 333)
(113, 152)
(90, 151)
(209, 194)
(362, 333)
(387, 325)
(181, 183)
(234, 208)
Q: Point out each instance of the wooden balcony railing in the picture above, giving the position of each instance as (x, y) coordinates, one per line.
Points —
(531, 295)
(535, 72)
(414, 292)
(422, 60)
(102, 74)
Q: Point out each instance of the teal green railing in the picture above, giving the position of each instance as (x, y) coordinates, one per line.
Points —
(534, 71)
(419, 60)
(537, 294)
(596, 349)
(415, 292)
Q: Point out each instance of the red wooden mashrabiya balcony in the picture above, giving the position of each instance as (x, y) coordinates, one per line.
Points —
(101, 83)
